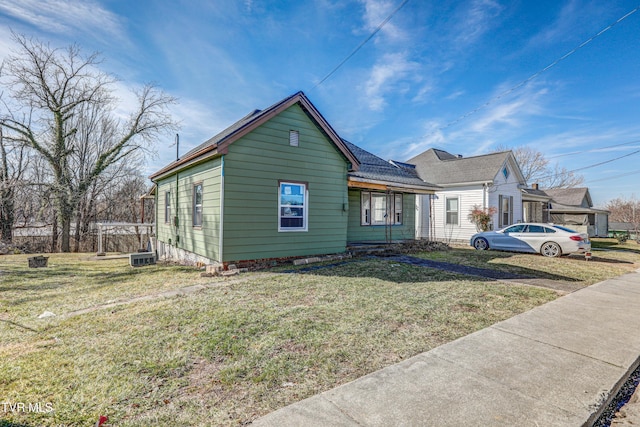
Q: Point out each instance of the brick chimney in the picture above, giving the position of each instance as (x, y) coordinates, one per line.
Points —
(534, 186)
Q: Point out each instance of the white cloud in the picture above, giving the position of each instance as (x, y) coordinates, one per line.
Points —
(64, 17)
(376, 11)
(474, 21)
(385, 76)
(433, 138)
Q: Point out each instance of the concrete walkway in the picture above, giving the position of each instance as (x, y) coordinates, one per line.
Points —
(555, 365)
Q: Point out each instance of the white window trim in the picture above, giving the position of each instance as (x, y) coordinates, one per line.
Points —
(305, 208)
(167, 207)
(367, 218)
(446, 211)
(501, 212)
(194, 205)
(506, 172)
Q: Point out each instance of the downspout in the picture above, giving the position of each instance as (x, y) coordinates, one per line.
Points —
(484, 196)
(156, 209)
(221, 232)
(175, 219)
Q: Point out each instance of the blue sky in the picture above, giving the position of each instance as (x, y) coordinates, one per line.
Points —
(438, 74)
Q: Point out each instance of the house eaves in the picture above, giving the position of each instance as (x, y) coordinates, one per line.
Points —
(186, 161)
(464, 184)
(375, 184)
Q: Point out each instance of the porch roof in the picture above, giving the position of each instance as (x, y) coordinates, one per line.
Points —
(377, 173)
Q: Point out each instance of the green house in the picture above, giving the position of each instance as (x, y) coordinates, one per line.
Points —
(280, 183)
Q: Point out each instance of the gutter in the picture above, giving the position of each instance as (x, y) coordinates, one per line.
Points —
(396, 186)
(458, 184)
(193, 159)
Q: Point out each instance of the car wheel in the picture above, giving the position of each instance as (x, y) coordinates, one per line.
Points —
(551, 249)
(481, 244)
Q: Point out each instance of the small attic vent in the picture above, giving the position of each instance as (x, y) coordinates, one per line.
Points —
(294, 138)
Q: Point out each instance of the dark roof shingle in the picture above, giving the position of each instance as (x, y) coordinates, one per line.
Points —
(440, 167)
(374, 168)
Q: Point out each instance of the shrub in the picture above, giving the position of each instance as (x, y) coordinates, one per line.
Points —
(481, 217)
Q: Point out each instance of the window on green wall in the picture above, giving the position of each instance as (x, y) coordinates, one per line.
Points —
(197, 205)
(380, 208)
(167, 207)
(292, 206)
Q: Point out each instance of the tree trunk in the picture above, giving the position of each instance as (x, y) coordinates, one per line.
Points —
(54, 233)
(6, 216)
(65, 238)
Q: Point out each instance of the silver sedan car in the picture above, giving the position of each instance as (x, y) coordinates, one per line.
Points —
(547, 239)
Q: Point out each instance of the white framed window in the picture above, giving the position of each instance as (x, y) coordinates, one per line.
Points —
(452, 211)
(197, 205)
(505, 214)
(397, 209)
(293, 199)
(505, 172)
(167, 207)
(365, 208)
(380, 208)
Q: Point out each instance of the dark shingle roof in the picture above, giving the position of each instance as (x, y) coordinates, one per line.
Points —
(535, 192)
(226, 132)
(570, 196)
(374, 168)
(440, 167)
(219, 143)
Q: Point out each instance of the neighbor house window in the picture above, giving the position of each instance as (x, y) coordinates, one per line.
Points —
(380, 208)
(197, 205)
(505, 172)
(505, 214)
(452, 211)
(292, 206)
(167, 207)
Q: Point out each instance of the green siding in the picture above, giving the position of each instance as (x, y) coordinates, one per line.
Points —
(376, 233)
(200, 240)
(253, 167)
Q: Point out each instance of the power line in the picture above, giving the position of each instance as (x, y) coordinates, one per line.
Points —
(365, 41)
(594, 150)
(606, 161)
(536, 74)
(588, 167)
(615, 177)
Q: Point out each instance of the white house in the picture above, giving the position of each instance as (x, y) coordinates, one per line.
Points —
(488, 181)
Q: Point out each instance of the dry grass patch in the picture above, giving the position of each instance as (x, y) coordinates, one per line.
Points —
(229, 353)
(605, 264)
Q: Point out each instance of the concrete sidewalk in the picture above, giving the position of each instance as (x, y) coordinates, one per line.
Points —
(554, 365)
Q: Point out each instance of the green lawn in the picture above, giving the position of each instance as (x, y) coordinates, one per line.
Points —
(238, 349)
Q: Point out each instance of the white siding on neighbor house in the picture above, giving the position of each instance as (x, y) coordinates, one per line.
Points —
(467, 197)
(432, 218)
(602, 224)
(507, 188)
(422, 216)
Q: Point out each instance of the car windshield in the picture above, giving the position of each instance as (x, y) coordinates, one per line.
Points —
(515, 228)
(565, 229)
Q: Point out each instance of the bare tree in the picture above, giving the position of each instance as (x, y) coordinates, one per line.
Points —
(625, 210)
(12, 167)
(62, 96)
(536, 168)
